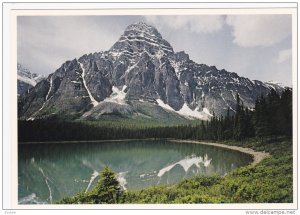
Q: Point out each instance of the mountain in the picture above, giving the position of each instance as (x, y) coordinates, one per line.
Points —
(140, 75)
(26, 80)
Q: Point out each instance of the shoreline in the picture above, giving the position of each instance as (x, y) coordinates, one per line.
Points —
(86, 141)
(257, 156)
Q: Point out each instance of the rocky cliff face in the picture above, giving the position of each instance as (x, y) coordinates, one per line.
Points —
(141, 67)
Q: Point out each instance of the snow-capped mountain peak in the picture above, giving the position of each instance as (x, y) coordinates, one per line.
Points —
(153, 74)
(26, 79)
(139, 38)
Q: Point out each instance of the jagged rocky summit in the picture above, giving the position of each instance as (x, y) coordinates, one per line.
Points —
(140, 72)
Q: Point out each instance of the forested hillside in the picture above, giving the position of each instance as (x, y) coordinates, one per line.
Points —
(271, 117)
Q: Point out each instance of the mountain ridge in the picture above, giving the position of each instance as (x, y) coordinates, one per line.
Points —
(141, 67)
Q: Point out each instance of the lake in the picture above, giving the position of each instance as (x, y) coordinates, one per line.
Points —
(47, 172)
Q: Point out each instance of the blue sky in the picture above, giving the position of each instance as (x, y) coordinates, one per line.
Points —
(253, 46)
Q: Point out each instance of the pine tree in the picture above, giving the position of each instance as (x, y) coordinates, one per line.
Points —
(249, 124)
(108, 189)
(238, 118)
(273, 114)
(286, 111)
(262, 118)
(228, 125)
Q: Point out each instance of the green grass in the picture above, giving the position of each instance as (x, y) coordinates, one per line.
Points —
(270, 181)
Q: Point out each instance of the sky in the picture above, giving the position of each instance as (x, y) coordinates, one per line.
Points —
(254, 46)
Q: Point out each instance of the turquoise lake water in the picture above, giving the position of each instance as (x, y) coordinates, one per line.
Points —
(48, 172)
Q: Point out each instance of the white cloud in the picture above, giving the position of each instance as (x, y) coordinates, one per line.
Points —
(259, 30)
(284, 55)
(44, 43)
(50, 41)
(205, 24)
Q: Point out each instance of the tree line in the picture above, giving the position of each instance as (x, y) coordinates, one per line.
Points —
(271, 117)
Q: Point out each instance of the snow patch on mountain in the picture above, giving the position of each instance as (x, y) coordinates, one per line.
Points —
(24, 75)
(164, 106)
(93, 100)
(274, 84)
(176, 66)
(117, 96)
(26, 80)
(186, 111)
(49, 91)
(205, 110)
